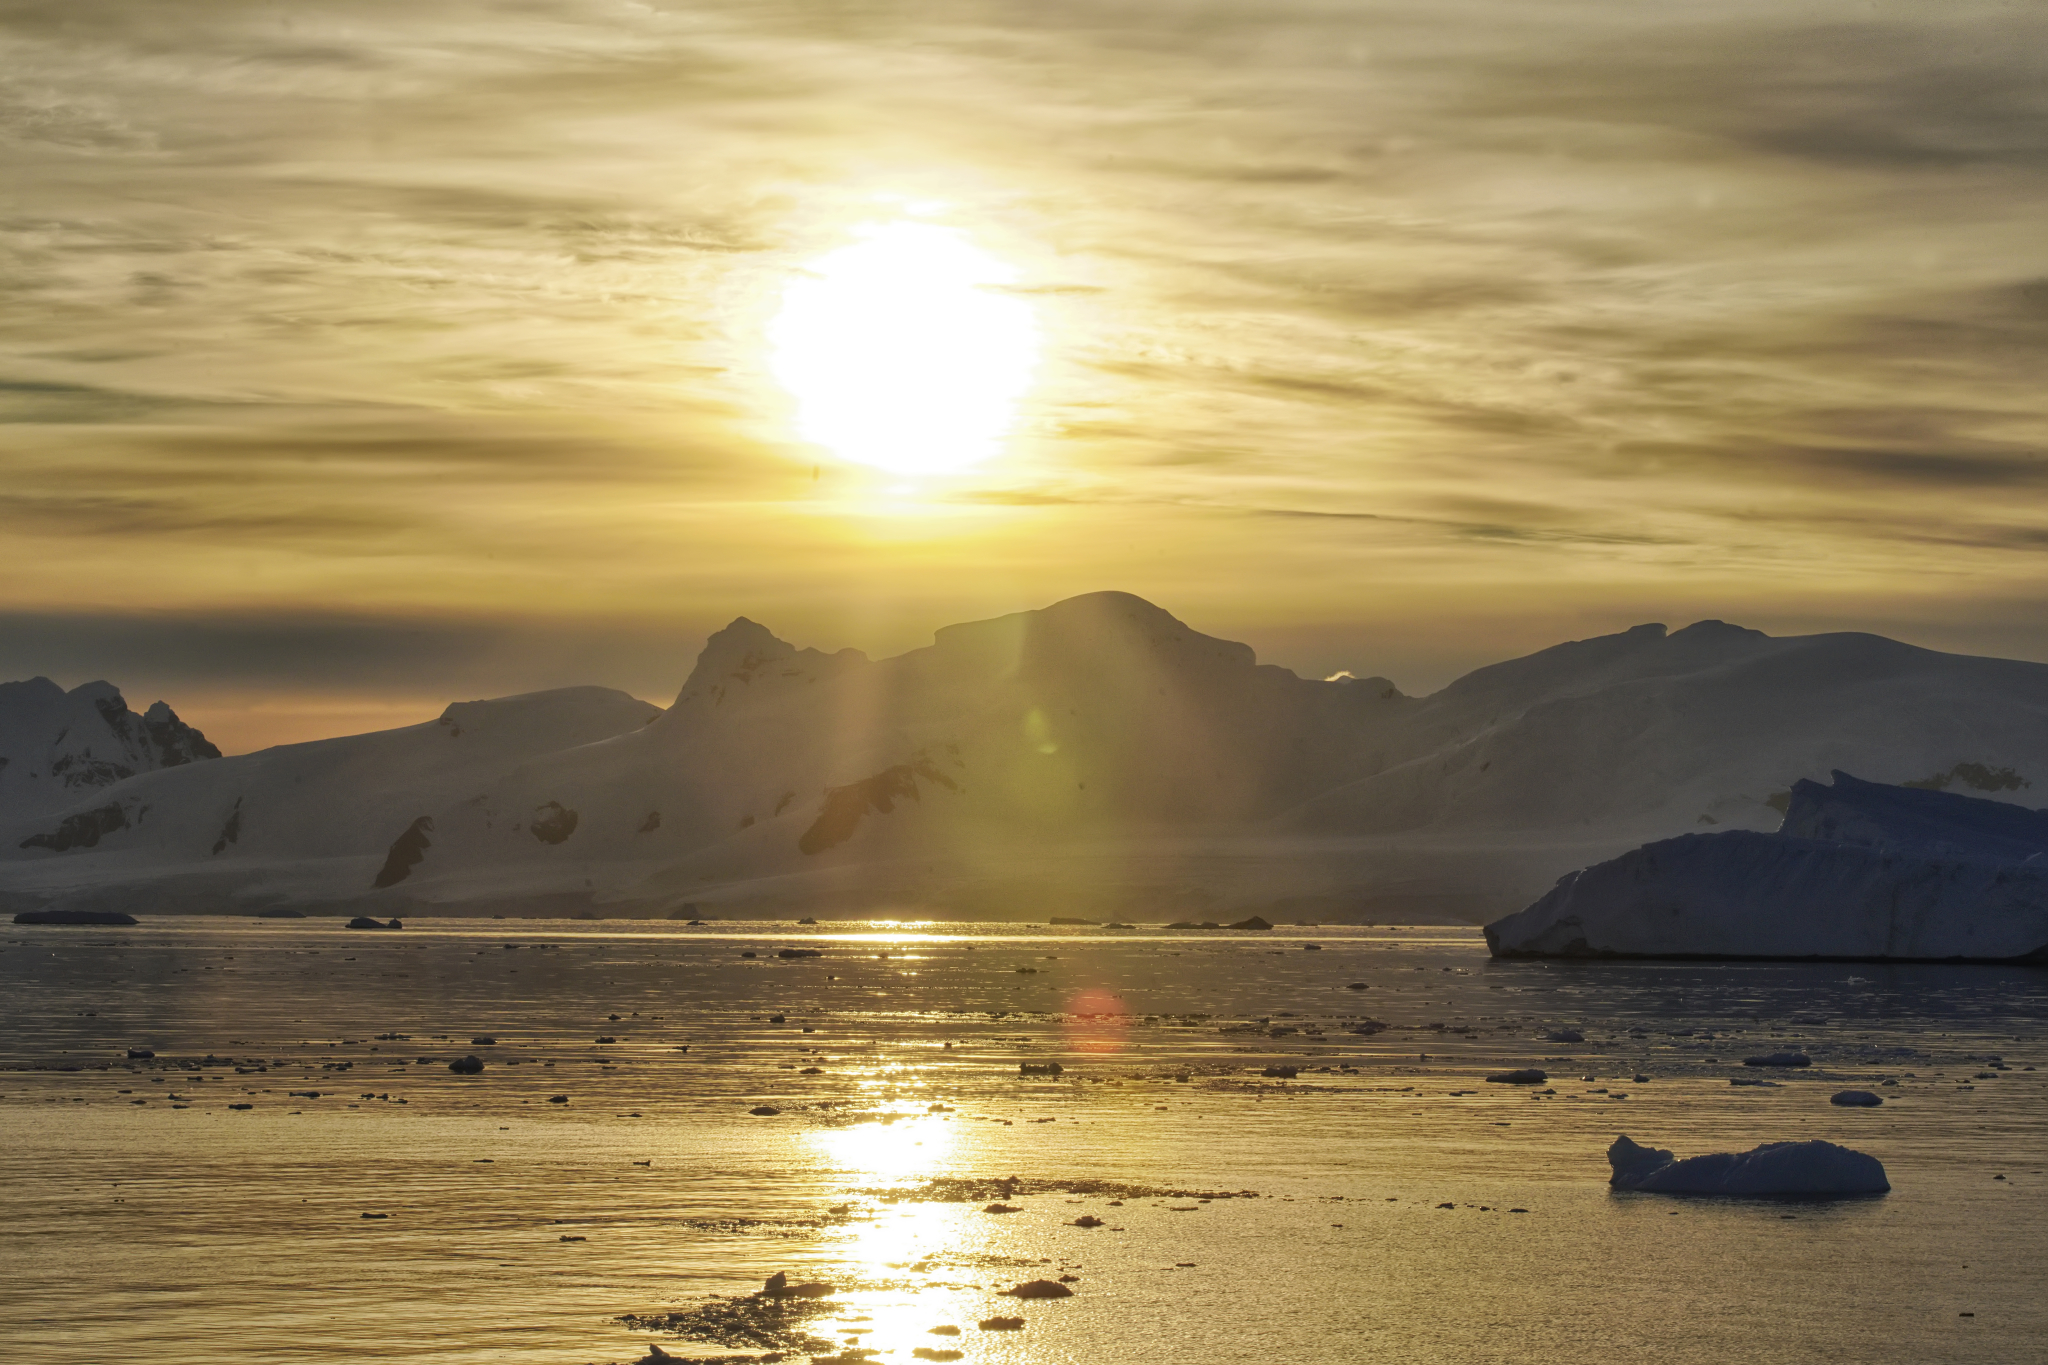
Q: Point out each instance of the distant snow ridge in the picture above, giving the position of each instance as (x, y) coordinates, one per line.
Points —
(56, 746)
(1859, 871)
(1096, 758)
(322, 824)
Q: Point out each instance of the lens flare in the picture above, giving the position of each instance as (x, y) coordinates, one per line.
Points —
(901, 351)
(1097, 1022)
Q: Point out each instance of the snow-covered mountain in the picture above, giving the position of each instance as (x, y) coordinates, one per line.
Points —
(1700, 727)
(294, 822)
(1097, 755)
(57, 747)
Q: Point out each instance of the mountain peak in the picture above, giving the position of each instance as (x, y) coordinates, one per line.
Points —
(56, 746)
(1101, 626)
(747, 651)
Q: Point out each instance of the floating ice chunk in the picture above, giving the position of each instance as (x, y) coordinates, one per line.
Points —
(1859, 871)
(1798, 1169)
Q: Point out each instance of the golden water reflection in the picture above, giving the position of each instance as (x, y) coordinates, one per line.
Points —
(907, 1149)
(901, 1264)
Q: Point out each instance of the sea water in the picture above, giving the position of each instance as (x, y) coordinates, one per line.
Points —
(1406, 1209)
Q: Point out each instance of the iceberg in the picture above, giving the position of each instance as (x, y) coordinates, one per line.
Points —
(1809, 1170)
(1860, 871)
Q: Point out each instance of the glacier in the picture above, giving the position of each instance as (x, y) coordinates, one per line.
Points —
(1858, 871)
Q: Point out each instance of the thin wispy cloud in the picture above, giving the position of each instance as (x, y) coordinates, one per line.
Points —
(460, 307)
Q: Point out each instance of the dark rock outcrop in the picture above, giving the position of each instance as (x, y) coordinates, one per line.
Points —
(845, 806)
(82, 830)
(1809, 1170)
(74, 917)
(171, 741)
(552, 822)
(406, 852)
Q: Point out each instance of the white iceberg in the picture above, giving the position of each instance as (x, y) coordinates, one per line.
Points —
(1860, 871)
(1809, 1170)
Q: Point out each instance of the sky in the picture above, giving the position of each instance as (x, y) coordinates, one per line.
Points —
(360, 356)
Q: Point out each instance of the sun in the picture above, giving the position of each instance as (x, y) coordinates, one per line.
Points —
(902, 352)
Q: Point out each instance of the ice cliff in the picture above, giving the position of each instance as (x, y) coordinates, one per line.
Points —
(1858, 870)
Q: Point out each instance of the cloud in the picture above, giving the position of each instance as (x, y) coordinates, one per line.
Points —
(451, 655)
(456, 310)
(30, 401)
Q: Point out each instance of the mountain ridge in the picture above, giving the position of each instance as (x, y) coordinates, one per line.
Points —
(1096, 753)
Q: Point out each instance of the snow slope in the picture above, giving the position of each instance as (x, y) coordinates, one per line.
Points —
(1705, 726)
(298, 823)
(58, 746)
(1097, 755)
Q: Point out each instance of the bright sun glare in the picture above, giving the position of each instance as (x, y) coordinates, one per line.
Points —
(902, 354)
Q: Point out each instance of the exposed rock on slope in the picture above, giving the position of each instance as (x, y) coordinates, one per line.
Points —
(1860, 871)
(406, 851)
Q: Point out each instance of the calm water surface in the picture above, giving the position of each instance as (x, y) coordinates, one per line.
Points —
(149, 1220)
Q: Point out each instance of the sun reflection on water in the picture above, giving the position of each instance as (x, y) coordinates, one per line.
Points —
(904, 1150)
(904, 1255)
